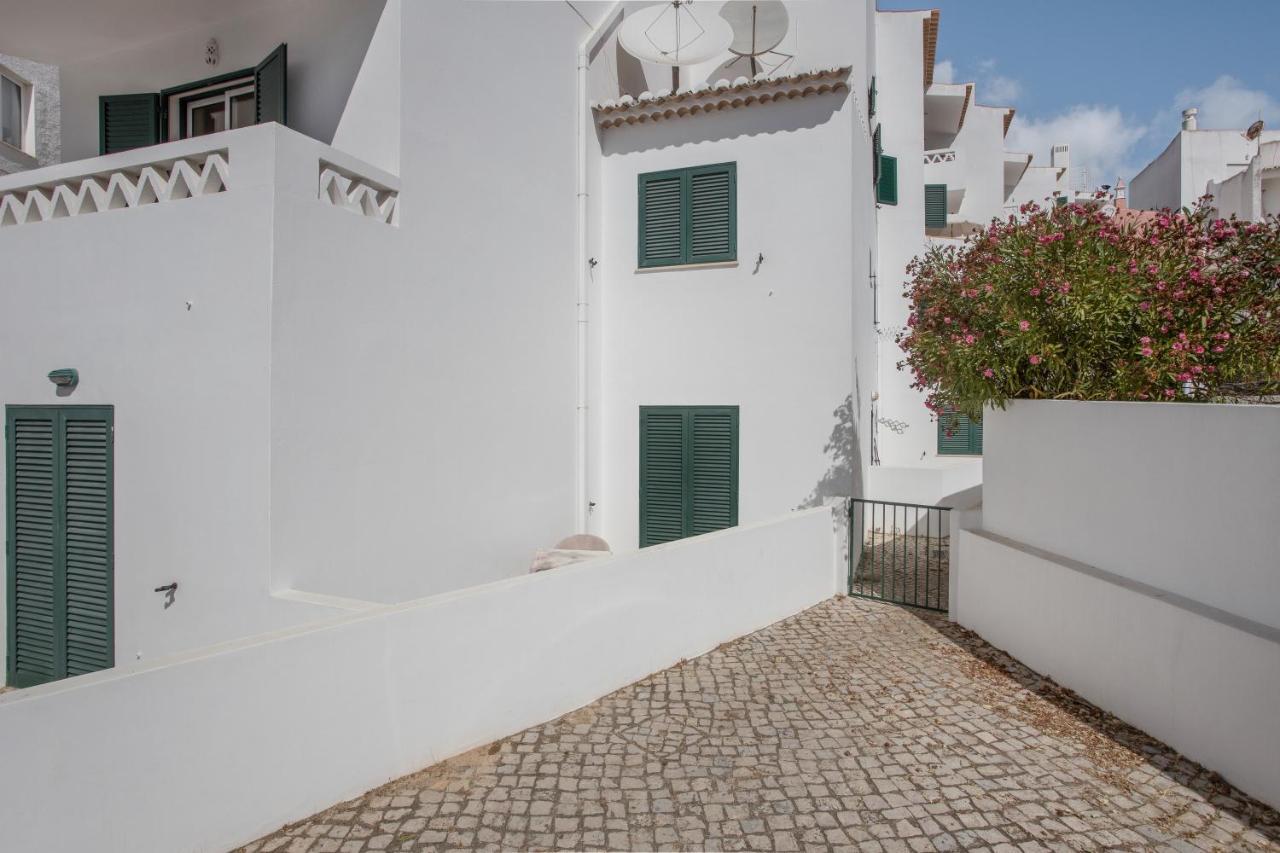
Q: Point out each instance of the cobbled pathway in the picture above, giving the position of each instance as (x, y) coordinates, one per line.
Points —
(855, 725)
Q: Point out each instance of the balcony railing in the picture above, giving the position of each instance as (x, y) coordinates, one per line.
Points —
(942, 156)
(262, 156)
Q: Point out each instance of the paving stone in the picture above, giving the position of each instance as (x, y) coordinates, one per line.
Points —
(855, 725)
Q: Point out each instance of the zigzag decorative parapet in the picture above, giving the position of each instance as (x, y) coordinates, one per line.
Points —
(189, 177)
(359, 195)
(722, 95)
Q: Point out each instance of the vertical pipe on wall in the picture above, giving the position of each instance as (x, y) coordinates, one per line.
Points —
(581, 513)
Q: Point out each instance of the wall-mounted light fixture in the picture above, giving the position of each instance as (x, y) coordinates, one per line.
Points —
(65, 377)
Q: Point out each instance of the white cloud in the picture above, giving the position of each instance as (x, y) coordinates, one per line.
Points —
(999, 91)
(1225, 104)
(1101, 139)
(944, 71)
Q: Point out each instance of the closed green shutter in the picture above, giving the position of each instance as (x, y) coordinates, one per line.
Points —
(712, 201)
(935, 205)
(88, 541)
(270, 87)
(887, 188)
(714, 462)
(958, 435)
(871, 98)
(127, 121)
(662, 469)
(688, 471)
(34, 654)
(60, 586)
(688, 216)
(661, 219)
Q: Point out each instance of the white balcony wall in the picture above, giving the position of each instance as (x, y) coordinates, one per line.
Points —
(327, 43)
(165, 311)
(980, 152)
(790, 339)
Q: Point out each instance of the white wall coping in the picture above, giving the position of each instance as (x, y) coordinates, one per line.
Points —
(1173, 599)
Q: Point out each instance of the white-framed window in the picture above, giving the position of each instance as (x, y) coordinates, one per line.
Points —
(225, 110)
(15, 111)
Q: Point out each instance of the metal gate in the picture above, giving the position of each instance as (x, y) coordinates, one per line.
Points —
(899, 552)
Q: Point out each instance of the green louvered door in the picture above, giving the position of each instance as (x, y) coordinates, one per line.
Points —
(59, 581)
(887, 186)
(271, 87)
(688, 471)
(959, 436)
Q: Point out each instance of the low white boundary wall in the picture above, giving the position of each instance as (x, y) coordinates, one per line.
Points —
(215, 748)
(1202, 680)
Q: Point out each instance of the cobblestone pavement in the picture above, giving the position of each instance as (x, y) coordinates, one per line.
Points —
(854, 725)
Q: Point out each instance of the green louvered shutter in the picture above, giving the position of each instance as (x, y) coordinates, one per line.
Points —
(60, 587)
(271, 87)
(712, 214)
(89, 641)
(127, 121)
(662, 475)
(661, 219)
(34, 655)
(887, 187)
(871, 97)
(935, 205)
(959, 436)
(714, 476)
(877, 148)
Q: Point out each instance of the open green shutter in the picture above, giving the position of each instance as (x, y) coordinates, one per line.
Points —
(975, 437)
(887, 188)
(714, 462)
(876, 149)
(711, 219)
(89, 643)
(935, 205)
(128, 121)
(270, 87)
(871, 97)
(662, 476)
(661, 219)
(33, 612)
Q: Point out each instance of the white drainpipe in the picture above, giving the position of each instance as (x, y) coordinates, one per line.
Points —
(582, 513)
(581, 479)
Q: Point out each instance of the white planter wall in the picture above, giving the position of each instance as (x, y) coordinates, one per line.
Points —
(1129, 551)
(213, 749)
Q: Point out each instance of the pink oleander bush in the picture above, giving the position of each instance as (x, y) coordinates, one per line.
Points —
(1070, 303)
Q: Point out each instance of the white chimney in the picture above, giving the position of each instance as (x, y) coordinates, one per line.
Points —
(1122, 194)
(1060, 157)
(1189, 118)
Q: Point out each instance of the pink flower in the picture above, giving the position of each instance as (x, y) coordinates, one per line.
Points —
(1143, 306)
(988, 373)
(1035, 359)
(1169, 392)
(968, 339)
(1147, 352)
(1023, 325)
(1145, 339)
(1035, 291)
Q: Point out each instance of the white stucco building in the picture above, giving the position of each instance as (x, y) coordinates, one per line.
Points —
(1239, 168)
(306, 319)
(30, 114)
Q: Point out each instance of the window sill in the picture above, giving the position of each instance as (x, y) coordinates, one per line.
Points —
(18, 155)
(717, 265)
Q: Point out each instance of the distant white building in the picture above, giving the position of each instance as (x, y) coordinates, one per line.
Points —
(1239, 168)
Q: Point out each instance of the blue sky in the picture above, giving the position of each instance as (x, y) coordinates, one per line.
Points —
(1111, 77)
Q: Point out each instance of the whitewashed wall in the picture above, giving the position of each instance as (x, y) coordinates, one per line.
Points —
(1129, 551)
(1182, 496)
(214, 749)
(791, 341)
(165, 311)
(980, 149)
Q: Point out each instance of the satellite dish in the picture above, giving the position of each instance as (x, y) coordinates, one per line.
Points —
(1254, 131)
(757, 27)
(673, 33)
